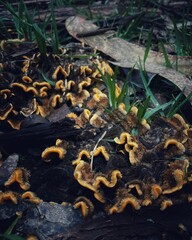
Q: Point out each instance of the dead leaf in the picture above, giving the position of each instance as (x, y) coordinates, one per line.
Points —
(127, 54)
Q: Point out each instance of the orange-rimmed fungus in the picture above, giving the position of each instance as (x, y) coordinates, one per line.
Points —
(14, 123)
(146, 202)
(83, 153)
(31, 196)
(124, 138)
(137, 187)
(101, 150)
(85, 83)
(27, 79)
(56, 100)
(4, 113)
(78, 100)
(123, 200)
(156, 191)
(88, 179)
(165, 204)
(97, 121)
(25, 88)
(8, 196)
(177, 148)
(53, 151)
(84, 70)
(109, 180)
(59, 85)
(135, 149)
(178, 177)
(85, 205)
(41, 84)
(59, 70)
(84, 176)
(20, 176)
(83, 118)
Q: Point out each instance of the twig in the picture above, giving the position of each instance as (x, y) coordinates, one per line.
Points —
(92, 153)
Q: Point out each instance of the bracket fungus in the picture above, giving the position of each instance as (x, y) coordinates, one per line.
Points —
(20, 176)
(57, 151)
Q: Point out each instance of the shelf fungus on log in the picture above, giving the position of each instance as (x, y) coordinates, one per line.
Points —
(31, 196)
(86, 206)
(57, 151)
(132, 146)
(123, 199)
(94, 181)
(20, 176)
(8, 196)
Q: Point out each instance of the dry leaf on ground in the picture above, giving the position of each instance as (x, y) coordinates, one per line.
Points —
(127, 54)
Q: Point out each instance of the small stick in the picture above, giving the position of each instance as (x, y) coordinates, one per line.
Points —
(92, 153)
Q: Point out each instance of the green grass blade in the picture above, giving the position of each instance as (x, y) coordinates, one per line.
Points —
(41, 39)
(167, 61)
(148, 45)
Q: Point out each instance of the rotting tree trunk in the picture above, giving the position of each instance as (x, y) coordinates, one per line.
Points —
(174, 223)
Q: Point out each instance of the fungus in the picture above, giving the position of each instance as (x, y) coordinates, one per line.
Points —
(25, 88)
(121, 108)
(14, 123)
(21, 176)
(41, 85)
(5, 93)
(123, 199)
(173, 148)
(85, 83)
(102, 67)
(101, 150)
(59, 70)
(84, 176)
(30, 109)
(97, 122)
(85, 205)
(60, 85)
(135, 149)
(85, 70)
(81, 154)
(88, 179)
(179, 180)
(51, 152)
(31, 196)
(27, 79)
(137, 187)
(4, 196)
(25, 64)
(178, 122)
(156, 191)
(83, 118)
(44, 109)
(78, 100)
(109, 180)
(124, 138)
(98, 95)
(56, 100)
(4, 113)
(31, 237)
(165, 204)
(70, 84)
(43, 92)
(99, 196)
(146, 202)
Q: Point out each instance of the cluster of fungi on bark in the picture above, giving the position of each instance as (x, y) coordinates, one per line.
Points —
(109, 168)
